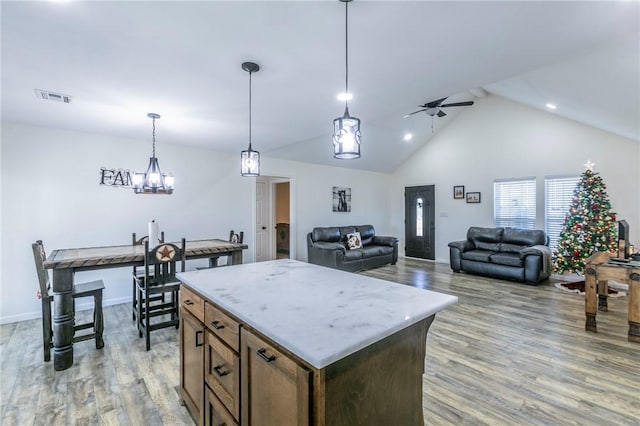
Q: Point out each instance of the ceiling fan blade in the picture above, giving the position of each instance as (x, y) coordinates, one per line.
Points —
(441, 113)
(414, 112)
(468, 103)
(432, 104)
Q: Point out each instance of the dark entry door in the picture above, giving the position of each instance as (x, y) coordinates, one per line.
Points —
(419, 222)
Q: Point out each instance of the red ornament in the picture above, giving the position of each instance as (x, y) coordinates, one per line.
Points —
(576, 253)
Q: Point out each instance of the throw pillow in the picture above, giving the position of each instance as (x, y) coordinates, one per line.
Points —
(354, 241)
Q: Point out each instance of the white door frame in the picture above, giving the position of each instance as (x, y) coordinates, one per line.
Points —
(272, 180)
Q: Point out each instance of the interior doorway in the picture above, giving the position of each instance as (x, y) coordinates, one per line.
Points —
(419, 221)
(275, 229)
(282, 219)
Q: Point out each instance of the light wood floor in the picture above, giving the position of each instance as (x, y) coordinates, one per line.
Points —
(507, 354)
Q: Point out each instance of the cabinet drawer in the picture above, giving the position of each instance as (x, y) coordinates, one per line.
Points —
(214, 412)
(192, 302)
(222, 373)
(222, 325)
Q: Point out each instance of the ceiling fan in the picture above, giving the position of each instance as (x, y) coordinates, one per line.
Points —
(435, 107)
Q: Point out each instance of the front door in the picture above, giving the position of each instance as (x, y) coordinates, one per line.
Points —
(419, 222)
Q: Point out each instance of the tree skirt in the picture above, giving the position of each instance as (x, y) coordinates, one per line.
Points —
(578, 288)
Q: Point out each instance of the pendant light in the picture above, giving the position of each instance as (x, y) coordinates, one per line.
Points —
(250, 159)
(153, 181)
(346, 129)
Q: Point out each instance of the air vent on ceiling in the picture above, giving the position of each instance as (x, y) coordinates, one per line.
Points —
(52, 96)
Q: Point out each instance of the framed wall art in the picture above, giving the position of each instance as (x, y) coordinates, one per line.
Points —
(473, 197)
(458, 192)
(341, 199)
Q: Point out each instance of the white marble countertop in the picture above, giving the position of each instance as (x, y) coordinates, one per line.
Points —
(319, 314)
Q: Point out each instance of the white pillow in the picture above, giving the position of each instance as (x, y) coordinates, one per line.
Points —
(354, 241)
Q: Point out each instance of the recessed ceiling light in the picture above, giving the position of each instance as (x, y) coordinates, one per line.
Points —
(551, 106)
(345, 97)
(408, 136)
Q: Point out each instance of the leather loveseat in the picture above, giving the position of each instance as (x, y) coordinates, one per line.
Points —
(509, 253)
(328, 247)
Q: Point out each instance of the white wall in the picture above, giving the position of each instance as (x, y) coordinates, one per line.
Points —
(497, 138)
(49, 190)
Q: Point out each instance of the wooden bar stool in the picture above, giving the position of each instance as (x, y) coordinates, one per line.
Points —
(137, 270)
(159, 278)
(233, 238)
(89, 289)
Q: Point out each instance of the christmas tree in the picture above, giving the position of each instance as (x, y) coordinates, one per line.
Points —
(589, 226)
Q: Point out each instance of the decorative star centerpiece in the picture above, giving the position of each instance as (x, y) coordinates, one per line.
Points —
(589, 165)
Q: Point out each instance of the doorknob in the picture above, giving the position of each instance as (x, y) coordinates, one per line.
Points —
(264, 227)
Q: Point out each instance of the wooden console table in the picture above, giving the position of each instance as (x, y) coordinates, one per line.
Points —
(598, 271)
(66, 262)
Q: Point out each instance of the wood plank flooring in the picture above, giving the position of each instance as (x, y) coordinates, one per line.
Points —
(512, 354)
(507, 354)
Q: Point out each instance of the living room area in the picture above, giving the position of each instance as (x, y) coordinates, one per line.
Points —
(507, 353)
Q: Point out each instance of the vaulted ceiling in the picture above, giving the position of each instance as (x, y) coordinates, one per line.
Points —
(121, 60)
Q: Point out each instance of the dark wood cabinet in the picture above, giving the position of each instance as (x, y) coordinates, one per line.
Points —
(275, 389)
(191, 363)
(222, 373)
(232, 374)
(214, 412)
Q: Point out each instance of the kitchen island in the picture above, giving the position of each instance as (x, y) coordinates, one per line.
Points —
(287, 342)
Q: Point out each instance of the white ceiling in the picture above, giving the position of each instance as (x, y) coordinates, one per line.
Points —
(122, 59)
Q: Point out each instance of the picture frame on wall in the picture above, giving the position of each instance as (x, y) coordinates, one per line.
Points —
(458, 192)
(341, 199)
(473, 197)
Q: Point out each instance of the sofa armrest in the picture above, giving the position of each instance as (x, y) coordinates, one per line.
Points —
(535, 271)
(385, 241)
(323, 245)
(537, 250)
(456, 248)
(388, 241)
(325, 253)
(463, 246)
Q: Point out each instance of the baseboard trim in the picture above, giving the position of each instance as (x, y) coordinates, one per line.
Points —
(424, 260)
(79, 307)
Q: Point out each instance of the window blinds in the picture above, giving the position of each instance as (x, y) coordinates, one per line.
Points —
(557, 201)
(514, 203)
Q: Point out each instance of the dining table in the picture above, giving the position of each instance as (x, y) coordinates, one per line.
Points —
(64, 263)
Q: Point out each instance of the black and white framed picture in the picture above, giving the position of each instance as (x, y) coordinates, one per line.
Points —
(473, 197)
(341, 199)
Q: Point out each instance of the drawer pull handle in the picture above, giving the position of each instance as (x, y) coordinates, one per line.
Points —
(216, 324)
(188, 302)
(262, 353)
(219, 372)
(199, 334)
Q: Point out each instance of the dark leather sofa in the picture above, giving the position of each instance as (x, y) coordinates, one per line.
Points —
(509, 253)
(327, 247)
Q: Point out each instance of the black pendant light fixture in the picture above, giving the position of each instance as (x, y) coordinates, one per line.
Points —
(153, 181)
(250, 159)
(346, 129)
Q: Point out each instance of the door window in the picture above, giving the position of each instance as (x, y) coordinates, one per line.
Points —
(419, 216)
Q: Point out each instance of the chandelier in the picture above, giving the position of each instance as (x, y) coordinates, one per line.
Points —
(153, 181)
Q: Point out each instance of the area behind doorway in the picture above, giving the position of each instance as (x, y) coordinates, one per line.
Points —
(419, 222)
(282, 219)
(273, 218)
